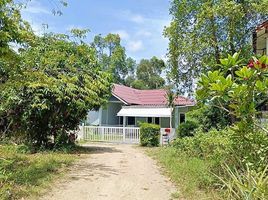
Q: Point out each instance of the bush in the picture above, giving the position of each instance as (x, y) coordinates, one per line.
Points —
(251, 148)
(149, 134)
(213, 145)
(187, 129)
(208, 117)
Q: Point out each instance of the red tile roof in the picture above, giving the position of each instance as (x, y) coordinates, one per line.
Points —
(133, 96)
(262, 25)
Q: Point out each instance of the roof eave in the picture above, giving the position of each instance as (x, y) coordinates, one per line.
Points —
(122, 100)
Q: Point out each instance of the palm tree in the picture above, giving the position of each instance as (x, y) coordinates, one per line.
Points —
(170, 102)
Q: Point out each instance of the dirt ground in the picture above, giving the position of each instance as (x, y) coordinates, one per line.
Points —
(113, 172)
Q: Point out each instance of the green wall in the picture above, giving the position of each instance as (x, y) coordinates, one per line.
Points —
(109, 114)
(164, 122)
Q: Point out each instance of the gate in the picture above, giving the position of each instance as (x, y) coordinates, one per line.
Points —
(111, 134)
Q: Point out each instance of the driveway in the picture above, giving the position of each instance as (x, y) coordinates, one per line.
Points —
(113, 172)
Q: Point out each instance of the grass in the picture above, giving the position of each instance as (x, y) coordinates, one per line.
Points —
(25, 175)
(191, 175)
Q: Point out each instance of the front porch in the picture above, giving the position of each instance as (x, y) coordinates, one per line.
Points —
(129, 135)
(116, 115)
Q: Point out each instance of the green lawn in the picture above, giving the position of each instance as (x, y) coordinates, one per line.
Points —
(24, 174)
(191, 175)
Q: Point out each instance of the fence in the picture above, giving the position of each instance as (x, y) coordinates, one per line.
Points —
(111, 134)
(116, 134)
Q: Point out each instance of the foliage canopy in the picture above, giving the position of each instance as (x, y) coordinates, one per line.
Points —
(202, 32)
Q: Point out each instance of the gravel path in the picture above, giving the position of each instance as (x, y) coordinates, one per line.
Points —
(113, 172)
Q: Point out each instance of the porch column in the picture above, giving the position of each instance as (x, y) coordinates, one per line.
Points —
(124, 128)
(124, 121)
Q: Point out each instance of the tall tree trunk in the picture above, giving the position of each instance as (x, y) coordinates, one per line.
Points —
(215, 40)
(231, 36)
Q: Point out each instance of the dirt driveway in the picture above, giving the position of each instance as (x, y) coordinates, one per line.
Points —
(113, 172)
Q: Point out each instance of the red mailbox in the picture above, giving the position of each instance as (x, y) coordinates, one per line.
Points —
(167, 130)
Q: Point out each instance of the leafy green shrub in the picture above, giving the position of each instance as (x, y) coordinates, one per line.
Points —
(251, 148)
(208, 117)
(187, 145)
(213, 145)
(187, 129)
(149, 134)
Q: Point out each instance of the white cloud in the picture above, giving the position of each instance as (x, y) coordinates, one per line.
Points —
(35, 7)
(137, 18)
(143, 33)
(34, 13)
(134, 46)
(122, 33)
(132, 42)
(39, 29)
(130, 16)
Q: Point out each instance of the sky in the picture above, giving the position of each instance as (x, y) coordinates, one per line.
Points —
(140, 23)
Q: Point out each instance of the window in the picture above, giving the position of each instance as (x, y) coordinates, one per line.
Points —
(156, 120)
(182, 118)
(131, 121)
(121, 120)
(150, 120)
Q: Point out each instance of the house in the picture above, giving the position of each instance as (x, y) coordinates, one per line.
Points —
(128, 106)
(260, 39)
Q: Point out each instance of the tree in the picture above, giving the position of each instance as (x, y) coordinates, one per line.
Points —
(202, 32)
(170, 101)
(49, 83)
(112, 57)
(58, 82)
(138, 84)
(209, 117)
(148, 74)
(239, 94)
(13, 31)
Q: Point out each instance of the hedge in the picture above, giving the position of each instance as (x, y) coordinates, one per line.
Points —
(149, 134)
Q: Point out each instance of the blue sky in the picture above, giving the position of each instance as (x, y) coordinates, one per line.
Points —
(140, 23)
